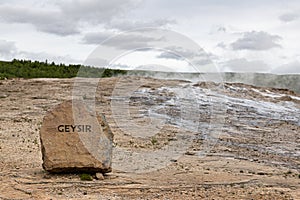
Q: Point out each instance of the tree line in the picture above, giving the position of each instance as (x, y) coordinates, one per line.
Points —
(36, 69)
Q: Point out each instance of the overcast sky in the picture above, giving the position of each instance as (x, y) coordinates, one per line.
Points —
(240, 36)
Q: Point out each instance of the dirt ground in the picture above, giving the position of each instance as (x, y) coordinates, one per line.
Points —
(249, 160)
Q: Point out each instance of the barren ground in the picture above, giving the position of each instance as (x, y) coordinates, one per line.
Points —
(249, 161)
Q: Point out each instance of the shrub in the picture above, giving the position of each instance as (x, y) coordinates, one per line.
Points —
(86, 177)
(153, 140)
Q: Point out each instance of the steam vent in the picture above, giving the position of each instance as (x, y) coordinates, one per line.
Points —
(74, 140)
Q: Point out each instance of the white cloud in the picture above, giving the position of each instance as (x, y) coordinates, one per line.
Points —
(70, 17)
(243, 65)
(67, 17)
(50, 21)
(288, 17)
(257, 41)
(290, 68)
(180, 53)
(222, 45)
(218, 29)
(125, 41)
(8, 49)
(125, 25)
(42, 56)
(96, 11)
(199, 57)
(96, 38)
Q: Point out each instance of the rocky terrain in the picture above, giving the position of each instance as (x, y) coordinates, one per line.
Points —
(172, 140)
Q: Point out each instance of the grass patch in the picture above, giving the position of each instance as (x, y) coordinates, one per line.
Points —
(154, 141)
(86, 177)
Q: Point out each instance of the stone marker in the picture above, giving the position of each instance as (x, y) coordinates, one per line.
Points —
(74, 140)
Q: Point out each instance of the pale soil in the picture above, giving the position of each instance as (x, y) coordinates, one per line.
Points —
(231, 170)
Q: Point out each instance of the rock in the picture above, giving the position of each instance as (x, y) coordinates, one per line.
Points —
(2, 96)
(75, 140)
(190, 153)
(285, 98)
(99, 176)
(261, 173)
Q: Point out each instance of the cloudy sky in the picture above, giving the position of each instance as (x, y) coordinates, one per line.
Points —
(240, 36)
